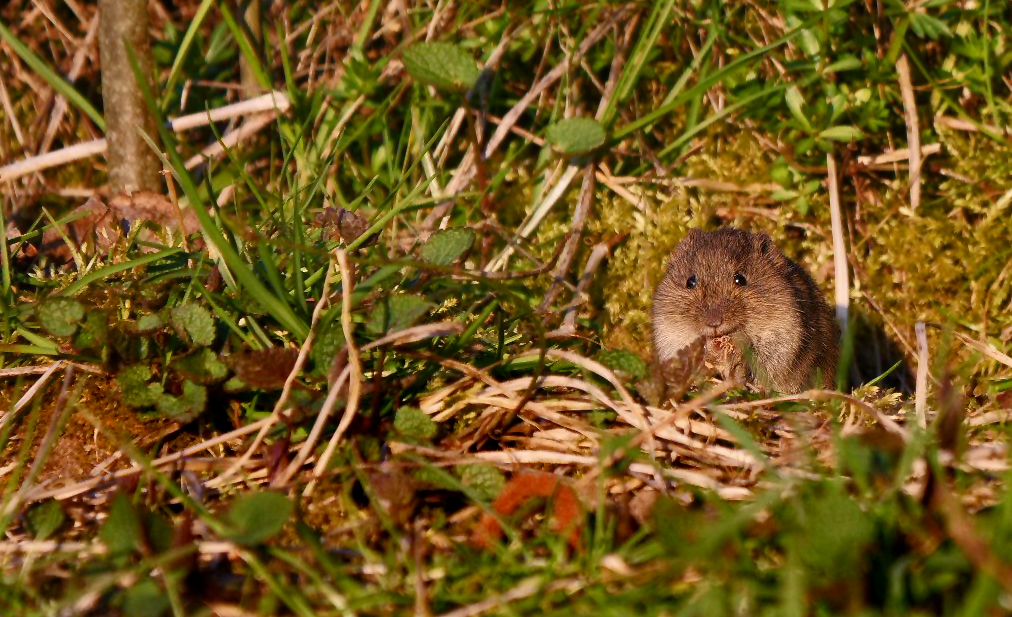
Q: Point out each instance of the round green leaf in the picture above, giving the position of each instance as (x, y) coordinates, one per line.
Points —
(194, 324)
(443, 65)
(135, 389)
(203, 366)
(485, 480)
(414, 423)
(186, 406)
(60, 316)
(254, 518)
(396, 312)
(149, 323)
(576, 135)
(447, 246)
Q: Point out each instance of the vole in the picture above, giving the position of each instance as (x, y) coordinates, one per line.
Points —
(761, 315)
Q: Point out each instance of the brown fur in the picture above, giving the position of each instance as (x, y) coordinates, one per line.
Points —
(778, 319)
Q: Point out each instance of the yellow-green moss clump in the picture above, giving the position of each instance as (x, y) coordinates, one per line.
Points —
(663, 213)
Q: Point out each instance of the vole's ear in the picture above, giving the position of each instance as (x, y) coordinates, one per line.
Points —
(766, 247)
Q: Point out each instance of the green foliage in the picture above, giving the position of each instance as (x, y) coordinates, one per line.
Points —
(149, 323)
(145, 599)
(202, 366)
(623, 361)
(736, 96)
(44, 518)
(60, 316)
(193, 324)
(576, 135)
(397, 312)
(328, 343)
(186, 406)
(135, 389)
(443, 65)
(447, 246)
(842, 133)
(414, 424)
(94, 331)
(485, 480)
(122, 532)
(834, 533)
(257, 517)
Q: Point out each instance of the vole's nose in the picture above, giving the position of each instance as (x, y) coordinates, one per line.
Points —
(713, 316)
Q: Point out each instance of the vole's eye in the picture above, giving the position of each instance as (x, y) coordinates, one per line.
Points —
(739, 280)
(692, 282)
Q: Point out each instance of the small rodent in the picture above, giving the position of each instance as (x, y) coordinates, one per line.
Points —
(735, 287)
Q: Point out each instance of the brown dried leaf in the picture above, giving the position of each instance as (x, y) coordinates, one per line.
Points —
(395, 491)
(103, 225)
(344, 224)
(266, 369)
(95, 230)
(677, 374)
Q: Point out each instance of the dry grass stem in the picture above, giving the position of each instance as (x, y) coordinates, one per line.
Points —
(986, 349)
(841, 275)
(921, 391)
(913, 130)
(895, 156)
(31, 392)
(354, 363)
(300, 361)
(275, 102)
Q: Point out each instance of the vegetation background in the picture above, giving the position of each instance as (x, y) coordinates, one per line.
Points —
(379, 343)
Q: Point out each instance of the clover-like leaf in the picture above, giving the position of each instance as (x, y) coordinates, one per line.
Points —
(203, 366)
(415, 424)
(135, 389)
(444, 65)
(148, 323)
(60, 316)
(256, 517)
(329, 342)
(396, 312)
(94, 331)
(485, 480)
(445, 247)
(193, 324)
(184, 407)
(622, 360)
(576, 135)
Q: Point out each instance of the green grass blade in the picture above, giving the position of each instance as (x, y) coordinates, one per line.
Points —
(184, 47)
